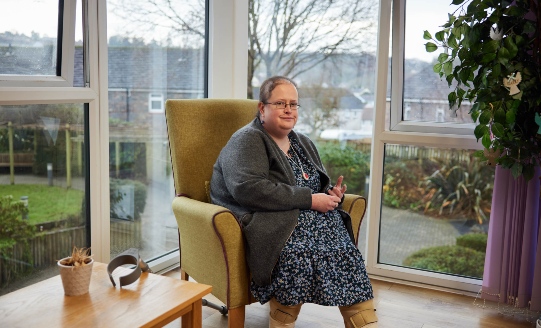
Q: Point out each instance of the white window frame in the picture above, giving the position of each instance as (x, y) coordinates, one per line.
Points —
(154, 97)
(68, 51)
(448, 135)
(15, 92)
(397, 123)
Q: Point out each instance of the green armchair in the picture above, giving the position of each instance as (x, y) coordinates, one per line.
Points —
(210, 238)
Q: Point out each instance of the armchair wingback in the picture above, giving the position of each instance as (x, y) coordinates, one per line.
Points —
(210, 238)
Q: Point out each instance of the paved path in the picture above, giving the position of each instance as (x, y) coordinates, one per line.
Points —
(404, 232)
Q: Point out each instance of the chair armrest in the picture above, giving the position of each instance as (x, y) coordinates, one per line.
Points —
(212, 249)
(355, 205)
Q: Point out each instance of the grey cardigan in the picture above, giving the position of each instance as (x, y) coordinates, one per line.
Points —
(252, 178)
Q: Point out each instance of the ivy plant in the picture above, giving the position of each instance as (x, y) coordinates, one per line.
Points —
(490, 57)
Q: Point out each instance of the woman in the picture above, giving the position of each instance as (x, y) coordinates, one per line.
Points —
(299, 241)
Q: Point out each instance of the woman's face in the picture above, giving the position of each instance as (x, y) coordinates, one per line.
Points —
(279, 122)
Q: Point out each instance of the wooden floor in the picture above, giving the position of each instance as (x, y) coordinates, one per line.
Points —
(397, 306)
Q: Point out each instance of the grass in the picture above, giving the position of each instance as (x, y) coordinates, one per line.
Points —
(46, 203)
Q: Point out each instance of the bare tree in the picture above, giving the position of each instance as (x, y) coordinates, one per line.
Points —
(178, 19)
(291, 37)
(287, 37)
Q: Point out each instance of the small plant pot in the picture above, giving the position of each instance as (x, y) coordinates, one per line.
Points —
(75, 280)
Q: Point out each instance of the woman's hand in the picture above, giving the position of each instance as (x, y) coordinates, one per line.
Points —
(323, 203)
(338, 190)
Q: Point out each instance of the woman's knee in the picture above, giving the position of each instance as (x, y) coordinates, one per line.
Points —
(284, 313)
(359, 315)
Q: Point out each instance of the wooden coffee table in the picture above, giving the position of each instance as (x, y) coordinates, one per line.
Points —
(152, 301)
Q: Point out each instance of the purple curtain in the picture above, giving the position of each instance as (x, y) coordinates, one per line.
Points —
(513, 259)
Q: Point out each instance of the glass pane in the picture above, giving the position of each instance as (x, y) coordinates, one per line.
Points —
(42, 190)
(330, 51)
(28, 37)
(425, 93)
(149, 62)
(435, 209)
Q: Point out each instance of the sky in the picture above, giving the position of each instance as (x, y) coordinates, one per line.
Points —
(42, 14)
(424, 15)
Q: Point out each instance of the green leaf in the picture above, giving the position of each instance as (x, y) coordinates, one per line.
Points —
(457, 2)
(464, 75)
(499, 116)
(443, 57)
(486, 140)
(503, 53)
(496, 70)
(491, 46)
(451, 97)
(448, 67)
(480, 131)
(430, 47)
(510, 117)
(437, 68)
(498, 130)
(519, 41)
(487, 58)
(528, 172)
(449, 79)
(511, 47)
(516, 169)
(460, 93)
(427, 35)
(485, 117)
(474, 115)
(451, 42)
(440, 35)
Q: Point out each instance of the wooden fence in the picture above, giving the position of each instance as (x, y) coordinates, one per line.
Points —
(42, 251)
(47, 248)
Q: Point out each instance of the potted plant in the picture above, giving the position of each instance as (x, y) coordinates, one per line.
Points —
(492, 57)
(76, 271)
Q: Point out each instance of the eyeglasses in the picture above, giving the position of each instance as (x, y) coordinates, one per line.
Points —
(283, 105)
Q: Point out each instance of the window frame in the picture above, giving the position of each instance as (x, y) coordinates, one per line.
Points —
(155, 97)
(66, 44)
(443, 135)
(397, 122)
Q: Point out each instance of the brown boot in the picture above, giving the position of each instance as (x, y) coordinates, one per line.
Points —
(283, 315)
(359, 315)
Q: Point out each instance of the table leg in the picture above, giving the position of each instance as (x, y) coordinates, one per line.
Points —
(194, 318)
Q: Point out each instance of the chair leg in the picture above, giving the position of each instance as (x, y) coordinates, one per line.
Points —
(184, 275)
(236, 317)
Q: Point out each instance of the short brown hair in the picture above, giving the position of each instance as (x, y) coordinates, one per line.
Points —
(269, 84)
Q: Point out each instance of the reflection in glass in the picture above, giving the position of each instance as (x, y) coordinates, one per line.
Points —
(42, 190)
(148, 64)
(435, 209)
(28, 37)
(425, 93)
(330, 52)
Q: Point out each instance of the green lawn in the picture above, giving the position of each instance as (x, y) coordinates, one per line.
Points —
(46, 203)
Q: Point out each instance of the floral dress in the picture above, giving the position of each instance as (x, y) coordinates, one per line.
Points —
(319, 263)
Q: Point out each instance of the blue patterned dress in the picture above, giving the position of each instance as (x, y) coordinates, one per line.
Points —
(319, 263)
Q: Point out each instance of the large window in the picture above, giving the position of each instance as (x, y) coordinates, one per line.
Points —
(430, 197)
(45, 162)
(153, 56)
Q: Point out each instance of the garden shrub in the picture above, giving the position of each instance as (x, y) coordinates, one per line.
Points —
(460, 188)
(13, 230)
(401, 183)
(347, 161)
(475, 241)
(453, 259)
(116, 196)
